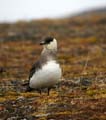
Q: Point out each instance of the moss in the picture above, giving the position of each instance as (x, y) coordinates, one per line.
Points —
(2, 99)
(11, 93)
(95, 92)
(91, 92)
(30, 94)
(10, 97)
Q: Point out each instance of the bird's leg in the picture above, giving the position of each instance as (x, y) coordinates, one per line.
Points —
(40, 91)
(58, 86)
(58, 89)
(49, 90)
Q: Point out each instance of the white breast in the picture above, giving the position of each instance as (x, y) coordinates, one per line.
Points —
(48, 76)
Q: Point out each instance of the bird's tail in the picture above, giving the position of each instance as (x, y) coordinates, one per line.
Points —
(27, 87)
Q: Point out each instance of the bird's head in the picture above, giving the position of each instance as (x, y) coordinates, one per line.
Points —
(49, 43)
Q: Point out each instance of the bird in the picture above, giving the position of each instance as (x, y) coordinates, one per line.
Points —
(46, 71)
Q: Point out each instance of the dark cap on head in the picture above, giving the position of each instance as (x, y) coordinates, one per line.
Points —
(47, 40)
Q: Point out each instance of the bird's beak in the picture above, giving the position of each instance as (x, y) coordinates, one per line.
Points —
(42, 42)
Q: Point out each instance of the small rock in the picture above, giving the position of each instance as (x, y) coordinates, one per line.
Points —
(85, 81)
(12, 118)
(21, 98)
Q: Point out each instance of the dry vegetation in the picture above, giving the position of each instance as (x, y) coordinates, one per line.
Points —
(82, 54)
